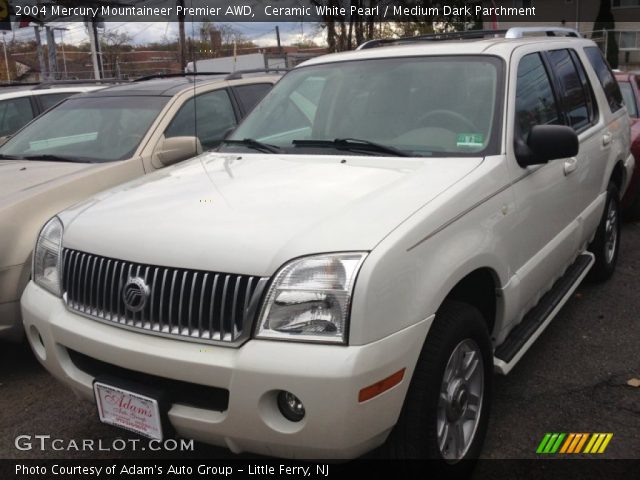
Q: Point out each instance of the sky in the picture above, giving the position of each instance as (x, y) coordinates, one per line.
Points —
(261, 33)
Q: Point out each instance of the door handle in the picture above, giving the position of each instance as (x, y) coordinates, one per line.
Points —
(570, 164)
(606, 139)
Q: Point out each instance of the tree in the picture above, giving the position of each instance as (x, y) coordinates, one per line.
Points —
(112, 45)
(305, 43)
(605, 21)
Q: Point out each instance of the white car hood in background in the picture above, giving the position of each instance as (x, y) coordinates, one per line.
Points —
(248, 213)
(18, 177)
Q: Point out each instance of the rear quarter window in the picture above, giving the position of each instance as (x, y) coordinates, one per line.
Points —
(606, 78)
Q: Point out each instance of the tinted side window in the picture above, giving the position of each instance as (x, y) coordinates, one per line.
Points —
(209, 117)
(15, 113)
(586, 85)
(574, 100)
(250, 95)
(607, 80)
(48, 101)
(535, 102)
(629, 99)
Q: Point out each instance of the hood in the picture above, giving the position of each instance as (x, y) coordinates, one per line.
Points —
(250, 213)
(18, 177)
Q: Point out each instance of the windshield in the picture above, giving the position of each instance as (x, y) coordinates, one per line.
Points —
(440, 106)
(629, 100)
(93, 129)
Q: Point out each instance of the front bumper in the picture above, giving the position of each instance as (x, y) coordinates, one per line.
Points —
(326, 378)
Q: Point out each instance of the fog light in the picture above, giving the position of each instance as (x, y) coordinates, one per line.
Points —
(290, 406)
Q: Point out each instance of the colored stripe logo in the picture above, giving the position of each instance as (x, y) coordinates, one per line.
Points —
(567, 443)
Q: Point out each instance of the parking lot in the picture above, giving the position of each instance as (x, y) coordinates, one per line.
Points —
(574, 379)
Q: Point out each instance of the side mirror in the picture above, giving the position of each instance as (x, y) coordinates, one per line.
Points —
(175, 149)
(545, 143)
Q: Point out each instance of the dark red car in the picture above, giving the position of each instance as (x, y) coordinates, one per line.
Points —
(630, 87)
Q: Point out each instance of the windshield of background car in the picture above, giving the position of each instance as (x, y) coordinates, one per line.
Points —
(88, 129)
(424, 106)
(629, 100)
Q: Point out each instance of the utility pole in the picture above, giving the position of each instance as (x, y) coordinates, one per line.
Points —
(181, 46)
(6, 62)
(64, 58)
(278, 38)
(53, 57)
(192, 55)
(93, 41)
(44, 74)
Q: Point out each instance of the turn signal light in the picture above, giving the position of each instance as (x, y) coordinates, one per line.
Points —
(382, 386)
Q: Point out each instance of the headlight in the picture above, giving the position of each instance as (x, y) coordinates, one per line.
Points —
(310, 299)
(46, 258)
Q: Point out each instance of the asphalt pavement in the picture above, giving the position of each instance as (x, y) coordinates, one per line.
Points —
(573, 379)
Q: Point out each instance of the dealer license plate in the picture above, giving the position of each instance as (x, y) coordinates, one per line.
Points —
(128, 410)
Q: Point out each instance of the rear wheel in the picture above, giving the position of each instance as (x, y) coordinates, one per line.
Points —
(633, 210)
(606, 244)
(446, 410)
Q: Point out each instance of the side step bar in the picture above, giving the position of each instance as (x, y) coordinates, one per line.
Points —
(536, 320)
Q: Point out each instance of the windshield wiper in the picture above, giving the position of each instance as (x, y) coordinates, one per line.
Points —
(9, 157)
(353, 144)
(47, 157)
(255, 144)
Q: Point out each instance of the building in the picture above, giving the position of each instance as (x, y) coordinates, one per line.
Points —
(581, 15)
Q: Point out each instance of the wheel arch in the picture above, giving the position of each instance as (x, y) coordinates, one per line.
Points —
(618, 176)
(478, 288)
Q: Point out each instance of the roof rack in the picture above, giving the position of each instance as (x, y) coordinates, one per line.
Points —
(468, 34)
(228, 75)
(238, 73)
(54, 83)
(18, 84)
(519, 32)
(516, 32)
(177, 75)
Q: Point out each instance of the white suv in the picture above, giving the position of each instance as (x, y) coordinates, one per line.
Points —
(387, 228)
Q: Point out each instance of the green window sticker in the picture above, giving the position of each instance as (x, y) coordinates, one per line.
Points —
(472, 140)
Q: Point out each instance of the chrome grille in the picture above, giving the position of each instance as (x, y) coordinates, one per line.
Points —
(187, 304)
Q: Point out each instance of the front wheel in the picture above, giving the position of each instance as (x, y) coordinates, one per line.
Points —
(606, 243)
(446, 410)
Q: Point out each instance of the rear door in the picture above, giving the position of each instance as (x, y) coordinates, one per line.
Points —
(581, 112)
(614, 139)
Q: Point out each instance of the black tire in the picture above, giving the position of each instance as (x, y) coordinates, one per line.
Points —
(415, 435)
(606, 258)
(633, 209)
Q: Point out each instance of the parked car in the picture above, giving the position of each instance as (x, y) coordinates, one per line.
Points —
(21, 104)
(631, 93)
(95, 141)
(346, 277)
